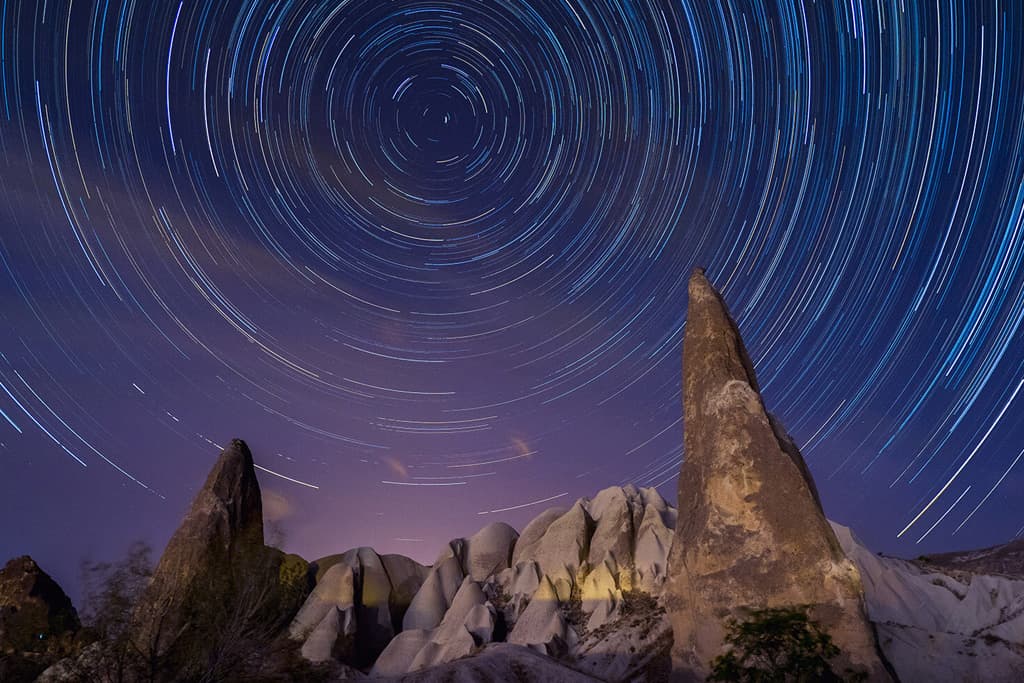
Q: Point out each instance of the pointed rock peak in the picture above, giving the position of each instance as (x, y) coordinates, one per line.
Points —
(751, 533)
(217, 556)
(711, 331)
(715, 361)
(233, 482)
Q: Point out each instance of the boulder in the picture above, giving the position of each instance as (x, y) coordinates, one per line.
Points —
(397, 657)
(38, 623)
(563, 549)
(406, 576)
(615, 532)
(526, 546)
(751, 531)
(653, 542)
(333, 638)
(467, 624)
(357, 606)
(336, 590)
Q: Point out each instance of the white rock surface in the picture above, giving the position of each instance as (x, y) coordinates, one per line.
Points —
(489, 551)
(933, 627)
(542, 625)
(467, 624)
(333, 637)
(614, 536)
(653, 543)
(530, 537)
(352, 610)
(400, 653)
(434, 596)
(563, 549)
(601, 595)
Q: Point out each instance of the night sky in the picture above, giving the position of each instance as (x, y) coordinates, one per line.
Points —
(429, 258)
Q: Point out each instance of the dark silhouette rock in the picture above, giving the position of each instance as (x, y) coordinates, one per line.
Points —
(37, 619)
(33, 607)
(751, 532)
(218, 592)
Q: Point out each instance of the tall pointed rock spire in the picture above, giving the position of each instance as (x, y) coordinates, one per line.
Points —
(751, 531)
(217, 584)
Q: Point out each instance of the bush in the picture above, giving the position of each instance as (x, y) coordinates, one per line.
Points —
(775, 645)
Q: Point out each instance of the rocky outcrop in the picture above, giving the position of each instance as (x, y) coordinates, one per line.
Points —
(33, 608)
(467, 625)
(357, 606)
(217, 587)
(935, 626)
(751, 531)
(37, 620)
(580, 583)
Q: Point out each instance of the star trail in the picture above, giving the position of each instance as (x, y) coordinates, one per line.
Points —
(429, 257)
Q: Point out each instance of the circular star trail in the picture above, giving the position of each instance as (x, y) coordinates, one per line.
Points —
(430, 257)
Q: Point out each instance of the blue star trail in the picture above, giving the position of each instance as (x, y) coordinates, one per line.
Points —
(430, 257)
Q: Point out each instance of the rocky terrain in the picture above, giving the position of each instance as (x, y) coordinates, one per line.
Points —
(617, 587)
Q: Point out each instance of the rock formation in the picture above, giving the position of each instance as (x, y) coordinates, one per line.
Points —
(943, 626)
(357, 606)
(217, 587)
(751, 531)
(580, 583)
(37, 620)
(33, 607)
(620, 587)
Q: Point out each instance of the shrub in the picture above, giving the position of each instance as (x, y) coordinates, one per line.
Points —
(775, 645)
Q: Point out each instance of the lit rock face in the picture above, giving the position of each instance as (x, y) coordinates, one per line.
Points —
(751, 532)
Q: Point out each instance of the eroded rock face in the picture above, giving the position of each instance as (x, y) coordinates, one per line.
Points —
(751, 532)
(216, 583)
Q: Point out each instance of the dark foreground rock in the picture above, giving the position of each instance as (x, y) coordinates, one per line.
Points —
(751, 532)
(37, 620)
(218, 594)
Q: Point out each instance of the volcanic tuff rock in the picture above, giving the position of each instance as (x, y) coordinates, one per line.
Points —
(751, 531)
(539, 591)
(357, 605)
(216, 580)
(934, 626)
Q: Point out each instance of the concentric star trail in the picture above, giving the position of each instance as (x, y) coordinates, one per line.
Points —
(407, 240)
